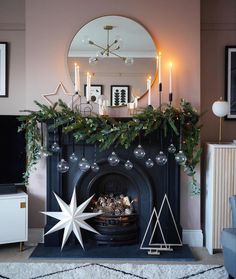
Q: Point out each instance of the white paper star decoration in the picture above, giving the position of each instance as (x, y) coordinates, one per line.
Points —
(59, 93)
(71, 218)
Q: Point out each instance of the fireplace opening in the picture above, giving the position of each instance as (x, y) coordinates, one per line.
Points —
(125, 198)
(116, 198)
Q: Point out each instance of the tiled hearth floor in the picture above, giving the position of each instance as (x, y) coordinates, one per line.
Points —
(10, 253)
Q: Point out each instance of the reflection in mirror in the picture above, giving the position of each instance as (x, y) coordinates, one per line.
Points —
(116, 51)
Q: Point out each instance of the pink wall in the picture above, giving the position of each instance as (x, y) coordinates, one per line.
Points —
(218, 25)
(51, 25)
(218, 29)
(12, 30)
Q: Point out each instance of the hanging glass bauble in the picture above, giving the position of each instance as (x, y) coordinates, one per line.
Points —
(43, 152)
(128, 165)
(139, 152)
(84, 165)
(95, 167)
(73, 158)
(149, 163)
(113, 159)
(161, 158)
(180, 157)
(171, 148)
(55, 147)
(62, 166)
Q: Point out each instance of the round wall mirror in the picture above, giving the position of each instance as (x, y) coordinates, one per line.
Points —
(119, 54)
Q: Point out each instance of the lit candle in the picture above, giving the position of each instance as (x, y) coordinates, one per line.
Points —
(170, 81)
(76, 85)
(78, 78)
(159, 72)
(149, 90)
(88, 93)
(170, 84)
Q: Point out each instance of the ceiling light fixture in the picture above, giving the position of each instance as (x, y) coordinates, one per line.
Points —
(110, 49)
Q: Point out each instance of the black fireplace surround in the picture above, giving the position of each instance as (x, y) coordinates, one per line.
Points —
(146, 186)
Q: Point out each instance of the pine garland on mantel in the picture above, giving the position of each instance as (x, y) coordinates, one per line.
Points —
(106, 131)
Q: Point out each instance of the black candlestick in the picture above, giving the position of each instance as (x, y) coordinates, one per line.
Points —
(170, 97)
(160, 90)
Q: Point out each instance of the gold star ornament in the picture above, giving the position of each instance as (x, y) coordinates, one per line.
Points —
(71, 218)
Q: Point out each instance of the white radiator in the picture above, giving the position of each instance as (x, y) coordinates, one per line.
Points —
(220, 185)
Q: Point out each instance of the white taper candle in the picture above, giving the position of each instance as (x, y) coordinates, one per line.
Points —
(76, 85)
(159, 67)
(170, 78)
(88, 93)
(149, 90)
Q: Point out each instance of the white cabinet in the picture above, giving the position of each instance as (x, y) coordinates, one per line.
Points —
(220, 184)
(13, 218)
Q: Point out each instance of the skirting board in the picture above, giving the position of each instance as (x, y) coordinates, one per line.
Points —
(35, 236)
(193, 238)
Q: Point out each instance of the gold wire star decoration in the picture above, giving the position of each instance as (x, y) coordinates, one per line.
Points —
(59, 93)
(71, 218)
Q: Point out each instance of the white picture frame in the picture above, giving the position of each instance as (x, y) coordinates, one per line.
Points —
(96, 90)
(3, 69)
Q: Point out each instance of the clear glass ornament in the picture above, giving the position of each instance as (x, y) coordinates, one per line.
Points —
(73, 158)
(63, 166)
(95, 167)
(128, 165)
(180, 157)
(171, 148)
(43, 153)
(55, 147)
(139, 152)
(161, 159)
(149, 163)
(113, 159)
(84, 165)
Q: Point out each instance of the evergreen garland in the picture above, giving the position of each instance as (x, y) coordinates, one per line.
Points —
(107, 131)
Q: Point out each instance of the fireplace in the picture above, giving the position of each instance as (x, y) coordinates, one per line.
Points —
(142, 187)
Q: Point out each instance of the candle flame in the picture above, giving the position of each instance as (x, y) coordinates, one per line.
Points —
(159, 53)
(150, 77)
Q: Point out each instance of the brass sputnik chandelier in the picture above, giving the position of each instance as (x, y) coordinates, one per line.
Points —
(109, 50)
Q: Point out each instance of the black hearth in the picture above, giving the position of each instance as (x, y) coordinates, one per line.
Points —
(144, 186)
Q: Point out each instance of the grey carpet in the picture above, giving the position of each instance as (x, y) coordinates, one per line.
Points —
(110, 271)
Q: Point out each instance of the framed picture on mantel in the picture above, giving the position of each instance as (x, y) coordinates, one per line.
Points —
(230, 80)
(119, 95)
(96, 90)
(3, 69)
